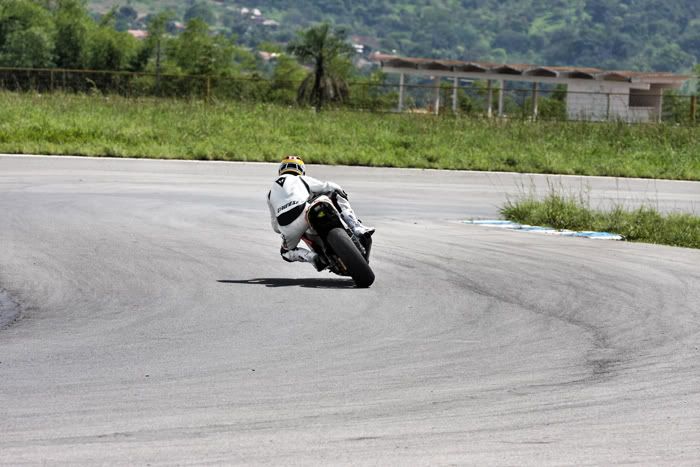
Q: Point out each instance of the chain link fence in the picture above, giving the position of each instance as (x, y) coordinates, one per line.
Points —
(471, 98)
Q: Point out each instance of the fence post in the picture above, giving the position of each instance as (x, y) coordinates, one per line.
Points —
(489, 96)
(500, 98)
(455, 87)
(436, 84)
(208, 88)
(535, 95)
(693, 107)
(401, 92)
(158, 68)
(607, 110)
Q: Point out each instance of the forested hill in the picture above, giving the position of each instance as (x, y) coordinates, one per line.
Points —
(614, 34)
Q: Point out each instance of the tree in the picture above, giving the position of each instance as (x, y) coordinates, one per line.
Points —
(670, 57)
(200, 11)
(72, 28)
(29, 48)
(285, 78)
(153, 45)
(108, 48)
(125, 17)
(196, 52)
(26, 35)
(325, 50)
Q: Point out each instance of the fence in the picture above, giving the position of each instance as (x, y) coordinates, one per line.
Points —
(377, 95)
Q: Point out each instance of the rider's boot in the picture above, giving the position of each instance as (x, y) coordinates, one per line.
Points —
(306, 256)
(351, 219)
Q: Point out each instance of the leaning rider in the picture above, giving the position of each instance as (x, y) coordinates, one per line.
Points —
(288, 201)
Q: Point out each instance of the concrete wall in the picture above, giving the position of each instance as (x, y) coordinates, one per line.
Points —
(650, 101)
(597, 101)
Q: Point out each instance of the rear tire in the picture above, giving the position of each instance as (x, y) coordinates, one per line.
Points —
(346, 250)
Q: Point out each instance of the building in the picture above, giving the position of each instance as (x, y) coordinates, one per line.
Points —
(138, 33)
(592, 93)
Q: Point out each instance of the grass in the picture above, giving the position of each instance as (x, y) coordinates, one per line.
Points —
(165, 128)
(644, 224)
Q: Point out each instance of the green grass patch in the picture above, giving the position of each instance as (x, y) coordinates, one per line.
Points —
(573, 212)
(170, 128)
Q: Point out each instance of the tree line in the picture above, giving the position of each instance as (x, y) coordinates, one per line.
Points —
(611, 34)
(315, 66)
(62, 34)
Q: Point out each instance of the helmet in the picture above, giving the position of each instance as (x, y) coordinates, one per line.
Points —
(291, 165)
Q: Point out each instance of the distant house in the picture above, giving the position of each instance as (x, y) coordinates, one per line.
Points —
(367, 41)
(174, 27)
(364, 45)
(138, 33)
(267, 56)
(251, 12)
(592, 93)
(363, 63)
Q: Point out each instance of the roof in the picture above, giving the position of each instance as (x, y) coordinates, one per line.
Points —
(521, 69)
(138, 33)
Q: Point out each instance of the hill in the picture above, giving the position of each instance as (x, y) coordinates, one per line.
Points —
(612, 34)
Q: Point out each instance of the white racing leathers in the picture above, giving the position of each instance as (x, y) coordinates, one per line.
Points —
(288, 201)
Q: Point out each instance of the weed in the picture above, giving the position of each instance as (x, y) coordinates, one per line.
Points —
(644, 224)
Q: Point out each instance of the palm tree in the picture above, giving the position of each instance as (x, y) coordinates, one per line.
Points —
(323, 48)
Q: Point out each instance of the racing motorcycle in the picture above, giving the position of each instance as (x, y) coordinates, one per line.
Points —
(345, 253)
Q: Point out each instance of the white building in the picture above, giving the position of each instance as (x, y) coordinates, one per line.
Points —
(592, 93)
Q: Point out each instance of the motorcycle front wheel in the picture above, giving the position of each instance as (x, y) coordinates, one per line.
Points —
(351, 257)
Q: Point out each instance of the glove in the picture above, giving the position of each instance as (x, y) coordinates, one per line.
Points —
(338, 190)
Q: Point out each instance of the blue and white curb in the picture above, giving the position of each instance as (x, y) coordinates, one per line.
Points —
(544, 230)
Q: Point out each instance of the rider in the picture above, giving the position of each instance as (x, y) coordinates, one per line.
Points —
(288, 201)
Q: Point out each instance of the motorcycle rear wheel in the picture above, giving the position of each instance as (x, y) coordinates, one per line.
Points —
(351, 257)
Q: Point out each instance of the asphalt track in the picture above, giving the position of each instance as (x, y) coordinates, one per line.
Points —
(158, 325)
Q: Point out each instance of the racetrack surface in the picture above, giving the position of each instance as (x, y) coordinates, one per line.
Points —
(159, 325)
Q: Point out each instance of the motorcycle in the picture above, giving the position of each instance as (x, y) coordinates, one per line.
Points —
(345, 253)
